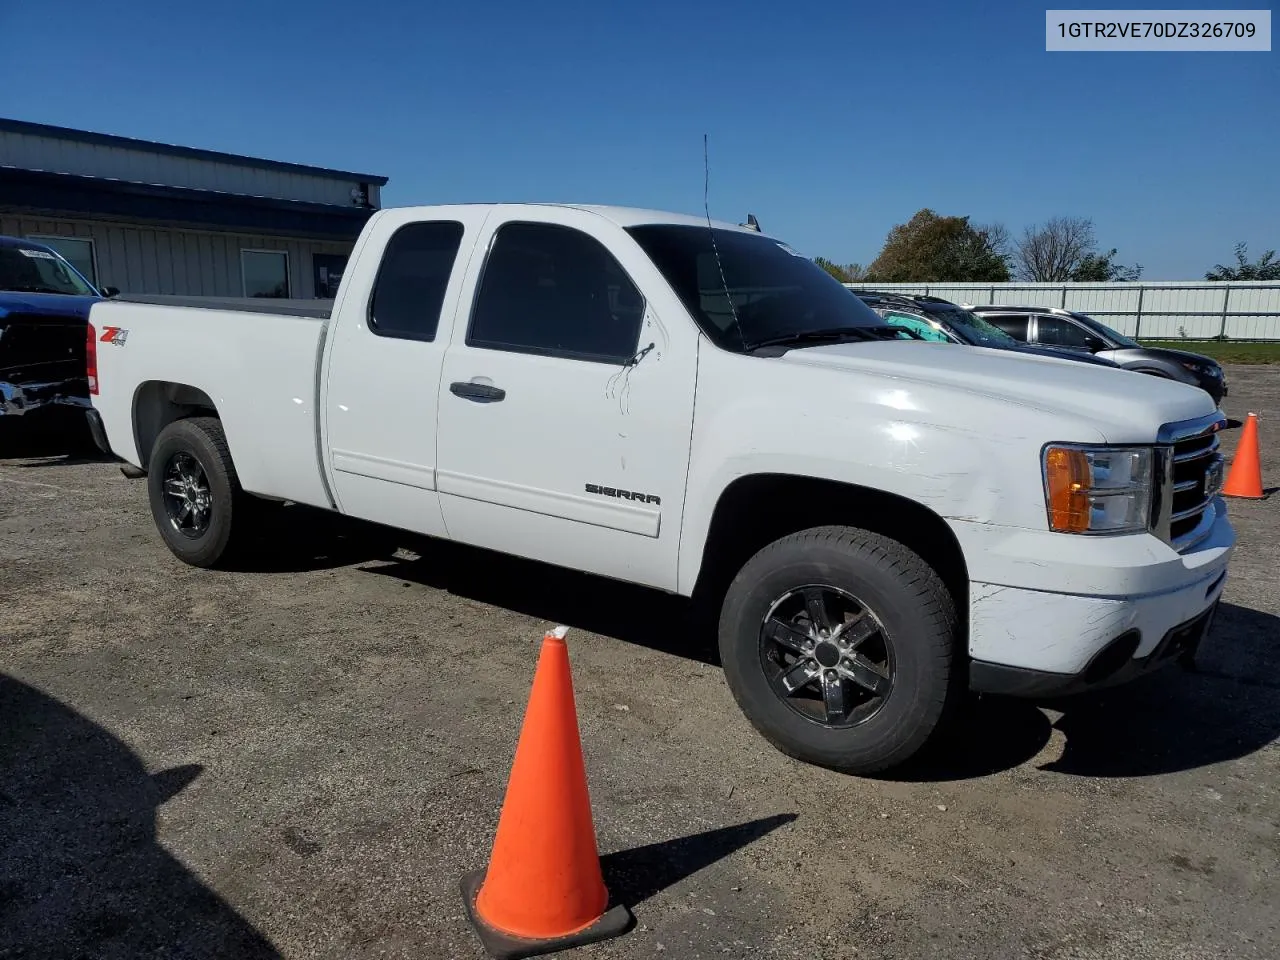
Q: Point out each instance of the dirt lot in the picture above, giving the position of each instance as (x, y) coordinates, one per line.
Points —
(302, 761)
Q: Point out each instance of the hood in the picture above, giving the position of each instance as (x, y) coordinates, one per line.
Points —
(1178, 356)
(1124, 407)
(1064, 353)
(45, 304)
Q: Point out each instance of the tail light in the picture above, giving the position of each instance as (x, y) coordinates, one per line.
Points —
(91, 358)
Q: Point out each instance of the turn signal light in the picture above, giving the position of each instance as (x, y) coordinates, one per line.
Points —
(1067, 480)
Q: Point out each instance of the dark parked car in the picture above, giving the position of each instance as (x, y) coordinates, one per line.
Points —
(1068, 330)
(932, 318)
(44, 310)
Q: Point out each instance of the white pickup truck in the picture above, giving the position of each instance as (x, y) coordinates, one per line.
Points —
(695, 407)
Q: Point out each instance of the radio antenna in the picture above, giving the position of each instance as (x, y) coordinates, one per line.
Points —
(706, 205)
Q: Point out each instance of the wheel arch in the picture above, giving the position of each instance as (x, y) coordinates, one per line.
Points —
(158, 403)
(778, 504)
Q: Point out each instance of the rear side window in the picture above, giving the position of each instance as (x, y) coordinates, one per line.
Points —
(552, 290)
(1014, 324)
(412, 278)
(1057, 332)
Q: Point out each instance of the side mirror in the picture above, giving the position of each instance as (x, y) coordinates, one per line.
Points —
(110, 292)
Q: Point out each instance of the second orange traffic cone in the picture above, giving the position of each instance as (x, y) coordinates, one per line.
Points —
(1245, 477)
(543, 890)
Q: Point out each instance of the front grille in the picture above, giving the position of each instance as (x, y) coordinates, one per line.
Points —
(1196, 478)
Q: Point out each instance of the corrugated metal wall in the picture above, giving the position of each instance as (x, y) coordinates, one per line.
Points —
(1163, 311)
(139, 165)
(178, 262)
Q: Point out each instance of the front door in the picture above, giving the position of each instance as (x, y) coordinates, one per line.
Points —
(566, 401)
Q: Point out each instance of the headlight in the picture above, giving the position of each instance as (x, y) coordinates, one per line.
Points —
(1204, 369)
(1098, 489)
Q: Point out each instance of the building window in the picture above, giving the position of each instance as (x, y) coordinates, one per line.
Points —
(77, 251)
(265, 273)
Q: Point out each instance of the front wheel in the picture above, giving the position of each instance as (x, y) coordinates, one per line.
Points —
(838, 646)
(194, 491)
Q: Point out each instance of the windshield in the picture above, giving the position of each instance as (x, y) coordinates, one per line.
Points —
(775, 291)
(925, 329)
(1106, 331)
(31, 270)
(977, 331)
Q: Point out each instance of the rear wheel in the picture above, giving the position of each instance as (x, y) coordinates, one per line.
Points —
(195, 494)
(838, 646)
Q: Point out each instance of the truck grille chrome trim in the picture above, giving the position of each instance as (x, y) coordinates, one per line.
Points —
(1192, 470)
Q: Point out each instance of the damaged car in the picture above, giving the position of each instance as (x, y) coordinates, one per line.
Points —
(44, 309)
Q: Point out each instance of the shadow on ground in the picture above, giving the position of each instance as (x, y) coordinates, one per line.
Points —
(81, 871)
(647, 618)
(296, 539)
(1170, 721)
(635, 875)
(59, 438)
(291, 538)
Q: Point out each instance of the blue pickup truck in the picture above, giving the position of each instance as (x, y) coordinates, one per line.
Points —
(44, 310)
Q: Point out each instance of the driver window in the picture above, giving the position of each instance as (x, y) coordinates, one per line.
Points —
(552, 290)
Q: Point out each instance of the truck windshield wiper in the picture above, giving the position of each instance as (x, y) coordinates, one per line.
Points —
(832, 335)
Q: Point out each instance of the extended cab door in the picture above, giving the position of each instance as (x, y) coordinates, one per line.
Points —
(392, 323)
(566, 403)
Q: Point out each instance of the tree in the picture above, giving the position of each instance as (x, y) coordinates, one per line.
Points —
(933, 248)
(1101, 268)
(997, 238)
(845, 273)
(1265, 268)
(1062, 250)
(1051, 253)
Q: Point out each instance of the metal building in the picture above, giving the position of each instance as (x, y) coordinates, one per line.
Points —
(153, 218)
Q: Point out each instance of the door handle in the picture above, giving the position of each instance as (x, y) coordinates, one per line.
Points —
(479, 392)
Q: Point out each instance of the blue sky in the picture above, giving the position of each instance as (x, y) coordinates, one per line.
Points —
(831, 122)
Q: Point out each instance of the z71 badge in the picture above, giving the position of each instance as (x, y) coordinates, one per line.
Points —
(116, 335)
(624, 494)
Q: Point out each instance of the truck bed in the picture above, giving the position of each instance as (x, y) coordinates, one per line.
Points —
(254, 364)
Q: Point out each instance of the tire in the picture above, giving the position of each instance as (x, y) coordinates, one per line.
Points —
(199, 441)
(912, 643)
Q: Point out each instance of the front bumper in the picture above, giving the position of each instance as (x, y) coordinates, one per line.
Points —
(1113, 665)
(1099, 612)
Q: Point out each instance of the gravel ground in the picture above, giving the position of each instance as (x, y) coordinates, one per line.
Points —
(304, 759)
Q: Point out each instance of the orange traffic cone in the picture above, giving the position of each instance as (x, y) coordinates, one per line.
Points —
(543, 890)
(1245, 476)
